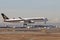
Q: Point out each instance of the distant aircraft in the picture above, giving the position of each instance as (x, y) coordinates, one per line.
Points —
(26, 20)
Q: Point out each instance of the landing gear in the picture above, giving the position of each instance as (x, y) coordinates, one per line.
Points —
(24, 25)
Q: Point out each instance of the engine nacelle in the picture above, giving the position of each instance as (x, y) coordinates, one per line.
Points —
(30, 21)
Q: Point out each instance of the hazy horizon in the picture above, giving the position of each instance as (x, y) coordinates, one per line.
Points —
(30, 8)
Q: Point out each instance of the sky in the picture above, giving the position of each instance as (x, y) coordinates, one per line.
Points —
(30, 8)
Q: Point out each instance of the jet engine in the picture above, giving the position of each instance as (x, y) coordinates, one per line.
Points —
(30, 21)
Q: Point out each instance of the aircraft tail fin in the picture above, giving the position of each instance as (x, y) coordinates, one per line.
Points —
(4, 16)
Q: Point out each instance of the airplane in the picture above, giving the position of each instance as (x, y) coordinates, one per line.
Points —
(26, 20)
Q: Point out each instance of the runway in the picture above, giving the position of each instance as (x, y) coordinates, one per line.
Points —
(29, 36)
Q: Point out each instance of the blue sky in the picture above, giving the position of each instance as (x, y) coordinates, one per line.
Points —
(31, 8)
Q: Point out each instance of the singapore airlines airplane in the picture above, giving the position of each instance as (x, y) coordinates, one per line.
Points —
(26, 20)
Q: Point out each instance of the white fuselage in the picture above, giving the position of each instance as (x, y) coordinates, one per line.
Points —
(26, 20)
